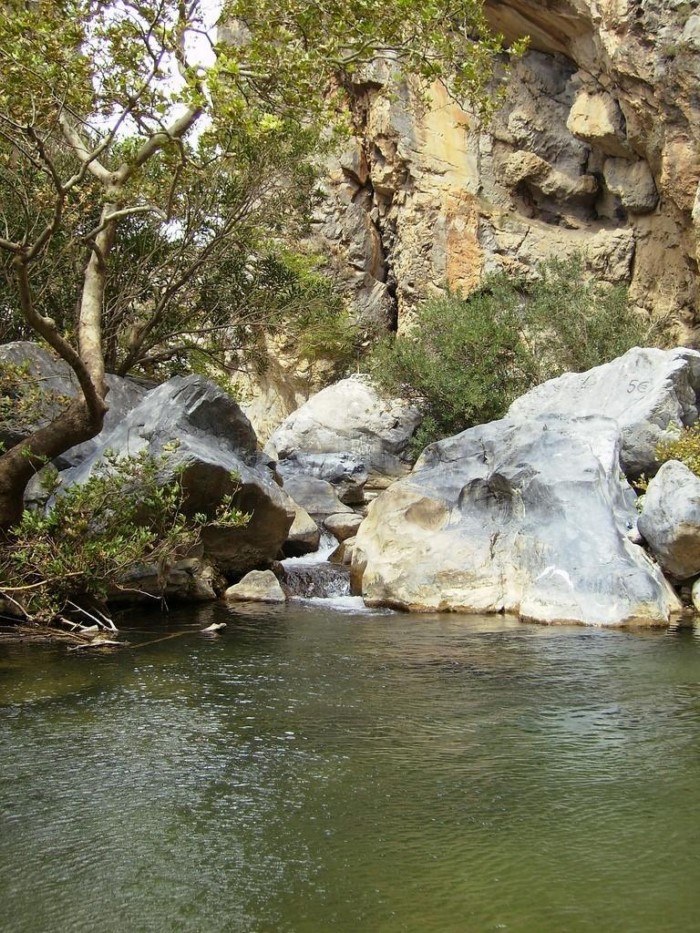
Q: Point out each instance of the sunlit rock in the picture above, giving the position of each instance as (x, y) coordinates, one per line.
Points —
(670, 519)
(650, 393)
(529, 517)
(260, 586)
(349, 417)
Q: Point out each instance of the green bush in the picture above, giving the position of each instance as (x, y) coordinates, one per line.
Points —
(685, 448)
(96, 533)
(466, 358)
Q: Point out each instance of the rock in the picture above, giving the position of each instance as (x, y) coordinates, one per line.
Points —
(304, 535)
(201, 431)
(343, 553)
(597, 119)
(189, 580)
(529, 169)
(344, 472)
(260, 586)
(520, 516)
(695, 595)
(58, 381)
(343, 525)
(633, 183)
(428, 197)
(316, 496)
(350, 417)
(650, 393)
(670, 519)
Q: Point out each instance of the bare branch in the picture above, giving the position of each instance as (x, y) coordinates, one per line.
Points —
(125, 212)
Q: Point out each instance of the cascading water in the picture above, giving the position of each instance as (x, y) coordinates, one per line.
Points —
(313, 577)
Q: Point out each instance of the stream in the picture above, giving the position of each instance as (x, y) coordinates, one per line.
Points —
(321, 767)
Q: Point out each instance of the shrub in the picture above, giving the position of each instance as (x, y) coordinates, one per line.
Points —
(95, 533)
(685, 448)
(466, 358)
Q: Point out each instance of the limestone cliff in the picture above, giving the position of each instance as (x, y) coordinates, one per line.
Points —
(596, 148)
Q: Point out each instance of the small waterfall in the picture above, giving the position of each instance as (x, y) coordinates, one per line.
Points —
(312, 577)
(318, 580)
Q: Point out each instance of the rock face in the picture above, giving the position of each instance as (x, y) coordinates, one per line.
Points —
(670, 520)
(526, 517)
(203, 432)
(349, 418)
(596, 148)
(56, 379)
(650, 393)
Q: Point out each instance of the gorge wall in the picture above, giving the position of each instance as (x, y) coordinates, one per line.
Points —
(595, 149)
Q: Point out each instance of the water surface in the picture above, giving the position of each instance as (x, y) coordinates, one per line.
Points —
(311, 771)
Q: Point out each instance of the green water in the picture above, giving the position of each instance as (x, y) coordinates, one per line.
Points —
(312, 771)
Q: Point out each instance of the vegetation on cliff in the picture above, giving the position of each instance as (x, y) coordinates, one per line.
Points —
(467, 357)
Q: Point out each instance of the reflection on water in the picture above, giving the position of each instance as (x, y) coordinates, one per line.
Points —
(308, 770)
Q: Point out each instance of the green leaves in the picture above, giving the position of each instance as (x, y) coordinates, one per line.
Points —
(97, 532)
(468, 357)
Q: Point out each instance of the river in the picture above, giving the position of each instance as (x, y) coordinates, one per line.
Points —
(313, 770)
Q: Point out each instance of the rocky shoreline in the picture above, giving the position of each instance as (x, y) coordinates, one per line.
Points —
(533, 515)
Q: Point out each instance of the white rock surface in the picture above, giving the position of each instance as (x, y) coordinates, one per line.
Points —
(520, 516)
(650, 393)
(350, 417)
(670, 519)
(260, 586)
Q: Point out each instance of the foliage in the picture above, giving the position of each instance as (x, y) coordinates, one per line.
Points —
(573, 321)
(129, 116)
(96, 532)
(23, 397)
(466, 358)
(685, 448)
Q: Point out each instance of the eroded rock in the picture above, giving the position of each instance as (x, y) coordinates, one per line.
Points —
(520, 516)
(670, 519)
(650, 393)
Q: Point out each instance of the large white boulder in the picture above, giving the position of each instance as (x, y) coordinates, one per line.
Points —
(650, 393)
(350, 417)
(530, 517)
(670, 519)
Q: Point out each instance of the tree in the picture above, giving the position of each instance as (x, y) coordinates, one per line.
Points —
(81, 77)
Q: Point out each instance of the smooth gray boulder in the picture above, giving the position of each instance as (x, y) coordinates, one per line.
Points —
(316, 496)
(524, 517)
(344, 472)
(670, 519)
(200, 429)
(58, 382)
(260, 586)
(650, 393)
(349, 417)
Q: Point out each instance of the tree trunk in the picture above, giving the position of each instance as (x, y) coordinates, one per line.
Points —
(76, 424)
